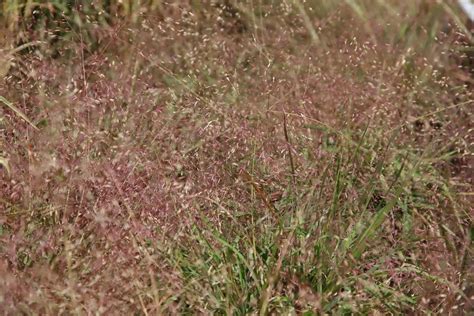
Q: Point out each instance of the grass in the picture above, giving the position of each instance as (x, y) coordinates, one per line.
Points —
(255, 157)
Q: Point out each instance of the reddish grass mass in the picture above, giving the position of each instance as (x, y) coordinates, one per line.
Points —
(221, 158)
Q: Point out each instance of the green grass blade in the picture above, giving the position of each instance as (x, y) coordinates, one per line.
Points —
(372, 229)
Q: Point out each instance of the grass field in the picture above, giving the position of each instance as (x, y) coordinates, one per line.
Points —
(236, 157)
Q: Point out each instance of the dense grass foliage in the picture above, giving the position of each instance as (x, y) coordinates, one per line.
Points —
(235, 157)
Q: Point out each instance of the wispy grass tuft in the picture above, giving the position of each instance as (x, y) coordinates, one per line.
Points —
(235, 157)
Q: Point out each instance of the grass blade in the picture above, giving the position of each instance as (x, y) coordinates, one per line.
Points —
(17, 111)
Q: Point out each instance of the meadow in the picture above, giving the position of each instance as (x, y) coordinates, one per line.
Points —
(264, 157)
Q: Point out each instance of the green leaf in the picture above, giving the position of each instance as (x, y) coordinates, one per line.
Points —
(372, 228)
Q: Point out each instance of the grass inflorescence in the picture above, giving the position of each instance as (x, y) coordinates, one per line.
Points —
(235, 157)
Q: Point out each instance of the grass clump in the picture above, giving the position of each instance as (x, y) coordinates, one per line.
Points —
(235, 158)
